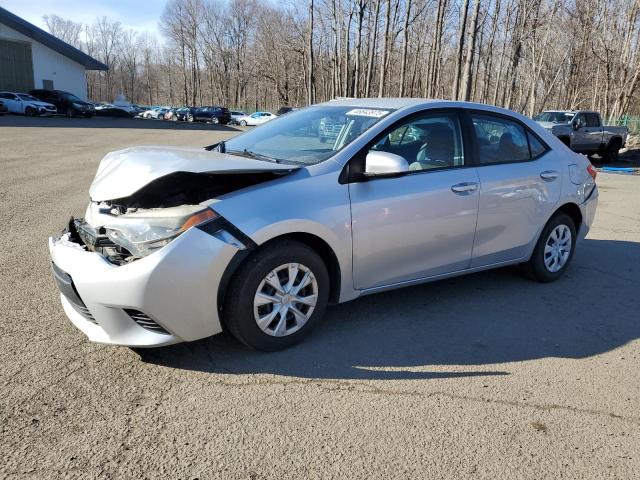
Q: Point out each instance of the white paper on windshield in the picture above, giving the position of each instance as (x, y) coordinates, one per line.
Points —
(366, 112)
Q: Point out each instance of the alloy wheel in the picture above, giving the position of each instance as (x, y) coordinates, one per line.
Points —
(557, 249)
(285, 299)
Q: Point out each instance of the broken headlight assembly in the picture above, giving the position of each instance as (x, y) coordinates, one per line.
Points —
(142, 233)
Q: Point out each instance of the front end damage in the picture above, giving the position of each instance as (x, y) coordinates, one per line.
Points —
(144, 269)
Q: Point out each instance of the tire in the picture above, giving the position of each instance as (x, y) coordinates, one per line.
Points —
(69, 112)
(537, 268)
(30, 112)
(243, 123)
(612, 152)
(214, 121)
(240, 316)
(190, 118)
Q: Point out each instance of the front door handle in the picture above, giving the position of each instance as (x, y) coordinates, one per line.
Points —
(549, 175)
(464, 188)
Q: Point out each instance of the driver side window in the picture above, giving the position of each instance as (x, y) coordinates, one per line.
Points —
(426, 142)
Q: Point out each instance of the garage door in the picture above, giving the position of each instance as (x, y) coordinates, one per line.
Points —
(16, 66)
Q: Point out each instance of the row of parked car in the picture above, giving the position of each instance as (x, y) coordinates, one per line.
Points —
(45, 102)
(42, 102)
(212, 114)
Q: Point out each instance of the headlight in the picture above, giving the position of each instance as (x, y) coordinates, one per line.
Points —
(143, 235)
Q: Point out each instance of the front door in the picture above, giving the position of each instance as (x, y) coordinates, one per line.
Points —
(422, 223)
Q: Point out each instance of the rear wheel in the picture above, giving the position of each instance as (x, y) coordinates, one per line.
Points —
(612, 152)
(554, 249)
(277, 296)
(214, 121)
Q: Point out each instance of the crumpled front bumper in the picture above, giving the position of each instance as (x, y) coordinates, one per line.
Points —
(175, 288)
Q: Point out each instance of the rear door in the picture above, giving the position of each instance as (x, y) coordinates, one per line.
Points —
(520, 182)
(593, 130)
(580, 138)
(421, 223)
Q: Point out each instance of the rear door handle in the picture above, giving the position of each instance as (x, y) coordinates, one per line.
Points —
(549, 175)
(464, 188)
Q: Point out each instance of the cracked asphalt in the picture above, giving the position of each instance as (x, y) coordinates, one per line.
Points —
(486, 376)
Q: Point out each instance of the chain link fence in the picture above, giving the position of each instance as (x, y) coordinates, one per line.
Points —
(629, 121)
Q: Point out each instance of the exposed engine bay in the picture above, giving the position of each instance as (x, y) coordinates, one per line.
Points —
(126, 229)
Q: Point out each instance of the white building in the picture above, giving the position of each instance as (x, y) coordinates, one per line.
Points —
(32, 58)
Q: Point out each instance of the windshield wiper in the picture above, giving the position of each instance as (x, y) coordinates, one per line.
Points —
(255, 156)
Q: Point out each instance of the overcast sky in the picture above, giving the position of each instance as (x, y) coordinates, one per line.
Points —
(141, 15)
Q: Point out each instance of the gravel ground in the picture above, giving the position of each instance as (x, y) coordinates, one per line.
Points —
(486, 376)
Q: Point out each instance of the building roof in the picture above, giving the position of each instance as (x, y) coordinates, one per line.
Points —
(22, 26)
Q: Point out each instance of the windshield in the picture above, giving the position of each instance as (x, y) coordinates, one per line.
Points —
(306, 136)
(24, 96)
(554, 117)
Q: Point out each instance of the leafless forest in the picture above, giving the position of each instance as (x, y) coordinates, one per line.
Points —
(526, 55)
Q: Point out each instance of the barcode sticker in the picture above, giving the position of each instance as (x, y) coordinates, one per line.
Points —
(367, 112)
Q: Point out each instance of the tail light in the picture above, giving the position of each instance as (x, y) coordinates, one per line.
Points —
(592, 171)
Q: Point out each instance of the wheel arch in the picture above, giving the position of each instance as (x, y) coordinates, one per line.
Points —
(320, 246)
(617, 139)
(571, 209)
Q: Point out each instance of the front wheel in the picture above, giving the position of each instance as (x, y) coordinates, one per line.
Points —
(243, 123)
(30, 112)
(277, 296)
(554, 249)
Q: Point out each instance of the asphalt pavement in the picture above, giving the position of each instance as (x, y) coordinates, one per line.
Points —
(486, 376)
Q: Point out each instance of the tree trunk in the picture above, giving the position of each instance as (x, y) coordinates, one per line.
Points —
(372, 50)
(467, 81)
(385, 51)
(405, 46)
(455, 89)
(310, 80)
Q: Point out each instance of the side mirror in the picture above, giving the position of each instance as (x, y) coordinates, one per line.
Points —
(384, 164)
(577, 124)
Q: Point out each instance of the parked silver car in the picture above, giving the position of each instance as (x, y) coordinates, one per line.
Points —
(257, 235)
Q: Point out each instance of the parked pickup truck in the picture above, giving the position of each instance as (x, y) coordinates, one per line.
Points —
(582, 131)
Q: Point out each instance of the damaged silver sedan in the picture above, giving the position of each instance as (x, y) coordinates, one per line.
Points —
(259, 234)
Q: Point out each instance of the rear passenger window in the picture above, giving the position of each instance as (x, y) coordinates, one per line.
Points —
(536, 146)
(592, 120)
(500, 140)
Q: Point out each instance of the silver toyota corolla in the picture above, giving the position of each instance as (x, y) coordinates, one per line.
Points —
(257, 235)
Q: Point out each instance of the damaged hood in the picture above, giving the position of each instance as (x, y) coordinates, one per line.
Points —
(124, 172)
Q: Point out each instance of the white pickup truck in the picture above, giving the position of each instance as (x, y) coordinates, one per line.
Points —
(582, 131)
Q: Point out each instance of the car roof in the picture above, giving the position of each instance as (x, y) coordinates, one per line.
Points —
(399, 104)
(394, 103)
